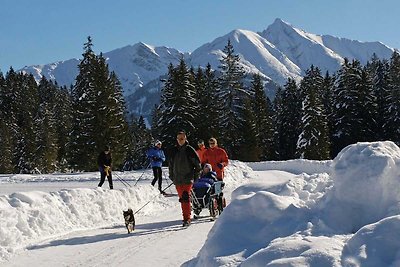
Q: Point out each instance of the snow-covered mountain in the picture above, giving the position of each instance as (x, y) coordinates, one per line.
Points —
(279, 52)
(136, 65)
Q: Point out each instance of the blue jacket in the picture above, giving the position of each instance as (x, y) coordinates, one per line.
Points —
(205, 180)
(156, 156)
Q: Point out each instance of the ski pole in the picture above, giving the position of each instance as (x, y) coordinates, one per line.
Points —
(166, 181)
(140, 177)
(122, 180)
(151, 200)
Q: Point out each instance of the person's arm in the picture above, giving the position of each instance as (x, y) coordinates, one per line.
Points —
(162, 155)
(171, 155)
(194, 158)
(223, 162)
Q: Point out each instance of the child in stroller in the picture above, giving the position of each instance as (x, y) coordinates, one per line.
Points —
(207, 192)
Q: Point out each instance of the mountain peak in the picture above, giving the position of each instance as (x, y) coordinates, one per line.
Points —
(278, 27)
(280, 22)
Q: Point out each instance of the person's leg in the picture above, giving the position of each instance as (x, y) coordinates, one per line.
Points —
(155, 176)
(110, 182)
(159, 177)
(184, 199)
(102, 177)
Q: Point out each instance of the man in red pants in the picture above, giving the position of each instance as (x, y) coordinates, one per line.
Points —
(184, 168)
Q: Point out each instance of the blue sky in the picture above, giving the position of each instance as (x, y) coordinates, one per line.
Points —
(45, 31)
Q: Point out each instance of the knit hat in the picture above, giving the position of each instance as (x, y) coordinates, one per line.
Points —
(208, 165)
(157, 142)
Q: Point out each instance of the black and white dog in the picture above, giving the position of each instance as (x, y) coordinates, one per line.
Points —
(129, 220)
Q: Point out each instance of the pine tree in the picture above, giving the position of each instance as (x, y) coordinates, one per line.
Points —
(6, 165)
(313, 142)
(25, 102)
(289, 117)
(262, 111)
(63, 117)
(367, 108)
(200, 121)
(46, 128)
(178, 105)
(140, 141)
(277, 123)
(99, 117)
(249, 148)
(231, 93)
(211, 110)
(393, 100)
(207, 118)
(83, 100)
(116, 127)
(354, 107)
(379, 71)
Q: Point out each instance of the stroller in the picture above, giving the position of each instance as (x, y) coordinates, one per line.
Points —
(207, 193)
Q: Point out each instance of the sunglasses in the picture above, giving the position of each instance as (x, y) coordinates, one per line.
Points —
(211, 143)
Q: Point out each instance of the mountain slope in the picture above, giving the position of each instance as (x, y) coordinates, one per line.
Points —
(277, 53)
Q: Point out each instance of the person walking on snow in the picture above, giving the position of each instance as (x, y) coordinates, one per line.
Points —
(156, 157)
(201, 149)
(104, 161)
(184, 168)
(217, 157)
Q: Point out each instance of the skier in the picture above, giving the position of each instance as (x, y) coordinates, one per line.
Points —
(184, 168)
(104, 161)
(156, 157)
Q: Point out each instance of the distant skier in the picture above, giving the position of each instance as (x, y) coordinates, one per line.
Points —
(156, 157)
(105, 163)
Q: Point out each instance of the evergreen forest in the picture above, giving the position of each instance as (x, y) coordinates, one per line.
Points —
(47, 128)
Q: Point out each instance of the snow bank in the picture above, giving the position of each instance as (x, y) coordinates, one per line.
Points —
(366, 179)
(296, 166)
(27, 217)
(310, 219)
(376, 244)
(32, 216)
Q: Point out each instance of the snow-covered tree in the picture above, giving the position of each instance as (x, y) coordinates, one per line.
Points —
(178, 106)
(354, 106)
(231, 93)
(262, 110)
(99, 113)
(46, 128)
(313, 142)
(6, 164)
(288, 117)
(393, 100)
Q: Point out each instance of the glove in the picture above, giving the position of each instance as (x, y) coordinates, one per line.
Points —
(155, 158)
(107, 170)
(219, 165)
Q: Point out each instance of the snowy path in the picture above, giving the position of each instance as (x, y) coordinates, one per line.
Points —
(156, 239)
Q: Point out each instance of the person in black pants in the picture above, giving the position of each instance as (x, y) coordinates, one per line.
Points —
(104, 161)
(156, 157)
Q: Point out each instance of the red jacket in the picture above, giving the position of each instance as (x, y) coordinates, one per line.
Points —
(200, 152)
(214, 156)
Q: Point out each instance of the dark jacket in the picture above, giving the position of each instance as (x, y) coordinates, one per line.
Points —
(184, 164)
(104, 159)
